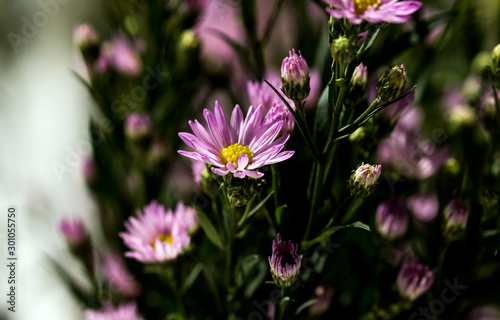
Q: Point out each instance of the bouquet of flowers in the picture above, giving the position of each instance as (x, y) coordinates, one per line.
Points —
(359, 180)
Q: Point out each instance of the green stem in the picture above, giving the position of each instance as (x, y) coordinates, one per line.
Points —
(229, 247)
(282, 304)
(275, 182)
(318, 184)
(300, 119)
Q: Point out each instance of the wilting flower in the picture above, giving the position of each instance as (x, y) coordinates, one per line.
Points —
(392, 218)
(423, 206)
(240, 147)
(85, 36)
(73, 230)
(137, 125)
(391, 83)
(295, 76)
(364, 180)
(323, 296)
(127, 311)
(414, 279)
(373, 11)
(455, 217)
(284, 262)
(157, 234)
(121, 54)
(119, 277)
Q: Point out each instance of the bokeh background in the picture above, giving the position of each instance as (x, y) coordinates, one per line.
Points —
(44, 112)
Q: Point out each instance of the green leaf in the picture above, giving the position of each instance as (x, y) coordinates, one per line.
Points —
(209, 229)
(322, 119)
(193, 275)
(328, 232)
(305, 305)
(278, 213)
(360, 225)
(256, 281)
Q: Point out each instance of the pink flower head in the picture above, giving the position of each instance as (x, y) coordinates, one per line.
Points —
(73, 230)
(240, 147)
(285, 262)
(85, 35)
(121, 54)
(294, 68)
(157, 234)
(127, 311)
(423, 206)
(373, 11)
(392, 218)
(119, 277)
(414, 279)
(137, 125)
(197, 168)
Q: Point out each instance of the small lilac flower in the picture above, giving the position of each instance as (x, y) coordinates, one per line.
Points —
(364, 180)
(73, 230)
(414, 279)
(392, 218)
(295, 76)
(127, 311)
(323, 295)
(280, 113)
(238, 148)
(373, 11)
(284, 262)
(119, 277)
(423, 206)
(157, 235)
(360, 76)
(485, 312)
(137, 125)
(85, 36)
(121, 54)
(456, 214)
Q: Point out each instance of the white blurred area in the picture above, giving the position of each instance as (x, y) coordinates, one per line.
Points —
(44, 111)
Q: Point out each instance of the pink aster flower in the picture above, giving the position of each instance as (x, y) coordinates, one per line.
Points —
(414, 279)
(121, 54)
(373, 11)
(285, 262)
(188, 216)
(157, 234)
(127, 311)
(240, 147)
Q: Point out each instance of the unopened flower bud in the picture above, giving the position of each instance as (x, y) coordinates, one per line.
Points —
(239, 195)
(85, 36)
(343, 50)
(357, 84)
(481, 63)
(461, 117)
(137, 126)
(391, 83)
(392, 219)
(364, 180)
(455, 219)
(488, 197)
(284, 262)
(295, 77)
(73, 230)
(451, 167)
(414, 279)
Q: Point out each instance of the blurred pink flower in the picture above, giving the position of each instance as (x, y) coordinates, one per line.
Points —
(323, 295)
(119, 277)
(156, 235)
(126, 311)
(121, 54)
(73, 230)
(423, 206)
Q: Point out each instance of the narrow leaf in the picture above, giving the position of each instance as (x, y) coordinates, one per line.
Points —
(209, 229)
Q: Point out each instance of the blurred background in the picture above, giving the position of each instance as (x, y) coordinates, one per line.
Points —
(44, 114)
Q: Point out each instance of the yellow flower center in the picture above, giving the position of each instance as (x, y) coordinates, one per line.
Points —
(232, 153)
(165, 237)
(361, 5)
